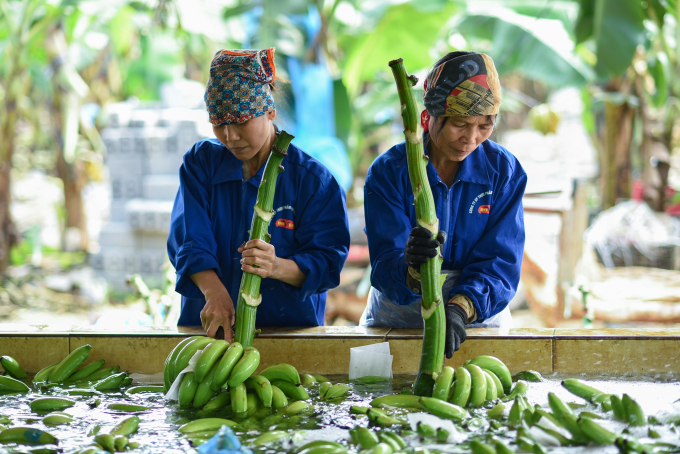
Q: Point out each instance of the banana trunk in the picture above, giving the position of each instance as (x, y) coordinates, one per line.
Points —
(432, 359)
(249, 293)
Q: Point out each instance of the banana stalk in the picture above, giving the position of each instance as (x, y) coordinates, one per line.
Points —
(432, 359)
(249, 293)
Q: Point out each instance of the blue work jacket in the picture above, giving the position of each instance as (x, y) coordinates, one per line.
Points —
(211, 217)
(481, 214)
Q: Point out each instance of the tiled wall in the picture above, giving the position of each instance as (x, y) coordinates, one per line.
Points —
(326, 350)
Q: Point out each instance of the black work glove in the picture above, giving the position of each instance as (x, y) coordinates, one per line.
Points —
(455, 328)
(421, 247)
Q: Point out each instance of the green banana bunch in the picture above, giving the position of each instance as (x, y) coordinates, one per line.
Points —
(12, 385)
(44, 374)
(12, 367)
(497, 367)
(295, 392)
(70, 364)
(185, 355)
(478, 385)
(27, 435)
(168, 367)
(245, 367)
(101, 374)
(85, 371)
(634, 414)
(335, 391)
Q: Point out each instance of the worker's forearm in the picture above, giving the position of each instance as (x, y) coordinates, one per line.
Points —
(289, 272)
(208, 282)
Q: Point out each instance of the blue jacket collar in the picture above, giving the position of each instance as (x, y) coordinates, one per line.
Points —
(230, 169)
(473, 169)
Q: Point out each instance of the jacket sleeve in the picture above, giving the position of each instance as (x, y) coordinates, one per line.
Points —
(491, 273)
(191, 243)
(323, 237)
(387, 229)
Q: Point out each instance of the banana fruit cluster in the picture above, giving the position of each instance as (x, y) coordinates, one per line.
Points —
(224, 375)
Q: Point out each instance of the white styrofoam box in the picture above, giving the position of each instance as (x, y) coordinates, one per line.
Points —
(160, 187)
(117, 234)
(152, 216)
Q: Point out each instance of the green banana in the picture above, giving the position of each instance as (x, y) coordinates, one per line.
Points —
(397, 400)
(51, 404)
(442, 408)
(106, 441)
(127, 381)
(618, 408)
(323, 389)
(596, 432)
(498, 385)
(95, 449)
(558, 407)
(27, 435)
(69, 364)
(380, 448)
(185, 355)
(528, 375)
(358, 410)
(425, 430)
(239, 399)
(580, 389)
(570, 423)
(252, 403)
(85, 371)
(218, 402)
(398, 440)
(634, 413)
(120, 442)
(296, 407)
(12, 385)
(495, 365)
(478, 387)
(461, 387)
(126, 426)
(283, 371)
(520, 389)
(335, 391)
(442, 384)
(497, 412)
(82, 392)
(168, 368)
(224, 367)
(12, 367)
(525, 444)
(100, 375)
(111, 382)
(295, 392)
(307, 380)
(187, 389)
(371, 379)
(205, 424)
(279, 399)
(44, 373)
(502, 448)
(268, 438)
(389, 441)
(490, 387)
(146, 389)
(481, 448)
(130, 408)
(364, 437)
(515, 415)
(262, 387)
(204, 391)
(245, 367)
(326, 445)
(373, 413)
(211, 353)
(320, 378)
(57, 418)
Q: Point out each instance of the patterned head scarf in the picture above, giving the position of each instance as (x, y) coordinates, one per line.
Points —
(466, 85)
(238, 88)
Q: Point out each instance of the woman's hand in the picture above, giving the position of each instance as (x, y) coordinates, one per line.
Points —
(259, 257)
(219, 308)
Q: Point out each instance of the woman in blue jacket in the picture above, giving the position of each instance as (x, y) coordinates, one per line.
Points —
(219, 178)
(477, 187)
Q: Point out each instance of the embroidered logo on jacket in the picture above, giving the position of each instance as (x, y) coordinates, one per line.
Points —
(286, 224)
(474, 202)
(484, 209)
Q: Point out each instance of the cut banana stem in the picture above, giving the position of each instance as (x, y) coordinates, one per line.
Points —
(249, 290)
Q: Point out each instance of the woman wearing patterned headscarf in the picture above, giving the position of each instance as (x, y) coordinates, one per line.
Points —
(477, 187)
(208, 241)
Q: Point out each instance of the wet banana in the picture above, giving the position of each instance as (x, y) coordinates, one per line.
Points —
(168, 367)
(205, 424)
(12, 367)
(51, 404)
(478, 386)
(187, 389)
(496, 366)
(442, 384)
(520, 389)
(262, 387)
(528, 375)
(211, 353)
(335, 391)
(442, 408)
(204, 391)
(283, 371)
(279, 399)
(397, 400)
(218, 402)
(126, 426)
(185, 355)
(224, 367)
(239, 399)
(70, 364)
(85, 371)
(12, 385)
(578, 388)
(57, 418)
(111, 382)
(27, 435)
(461, 387)
(295, 392)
